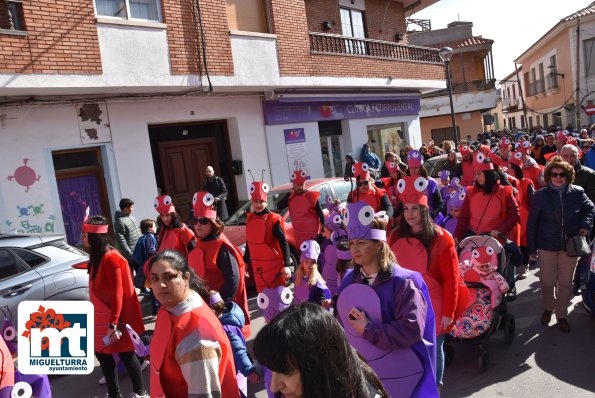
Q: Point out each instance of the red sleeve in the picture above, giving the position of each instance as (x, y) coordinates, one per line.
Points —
(448, 264)
(114, 277)
(512, 216)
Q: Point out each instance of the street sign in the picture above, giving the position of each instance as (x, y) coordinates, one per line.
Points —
(590, 110)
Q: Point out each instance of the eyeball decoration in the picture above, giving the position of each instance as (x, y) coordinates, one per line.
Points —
(258, 191)
(392, 167)
(562, 135)
(415, 158)
(334, 220)
(310, 250)
(464, 150)
(9, 334)
(163, 204)
(444, 175)
(455, 184)
(361, 170)
(298, 177)
(505, 143)
(484, 255)
(274, 300)
(481, 162)
(457, 198)
(412, 190)
(202, 203)
(516, 158)
(359, 217)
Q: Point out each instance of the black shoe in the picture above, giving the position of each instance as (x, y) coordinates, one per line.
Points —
(563, 325)
(511, 295)
(546, 317)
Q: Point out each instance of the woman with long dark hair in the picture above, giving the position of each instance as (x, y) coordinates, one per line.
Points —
(422, 246)
(116, 305)
(309, 356)
(190, 353)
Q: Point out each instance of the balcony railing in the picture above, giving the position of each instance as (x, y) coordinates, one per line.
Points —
(508, 103)
(324, 43)
(552, 82)
(536, 87)
(465, 87)
(11, 15)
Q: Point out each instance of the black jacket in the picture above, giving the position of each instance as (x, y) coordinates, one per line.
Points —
(551, 210)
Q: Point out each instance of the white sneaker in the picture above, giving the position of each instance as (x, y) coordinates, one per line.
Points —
(135, 395)
(102, 381)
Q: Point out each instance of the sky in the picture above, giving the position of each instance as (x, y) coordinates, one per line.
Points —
(514, 25)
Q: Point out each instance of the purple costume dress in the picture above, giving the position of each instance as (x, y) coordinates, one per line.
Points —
(328, 260)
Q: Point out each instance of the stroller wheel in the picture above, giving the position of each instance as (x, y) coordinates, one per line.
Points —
(509, 329)
(449, 354)
(482, 361)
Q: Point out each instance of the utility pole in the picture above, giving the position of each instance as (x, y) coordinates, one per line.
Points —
(578, 75)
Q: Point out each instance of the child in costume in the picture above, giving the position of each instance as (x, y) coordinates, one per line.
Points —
(453, 206)
(309, 285)
(231, 317)
(444, 189)
(332, 223)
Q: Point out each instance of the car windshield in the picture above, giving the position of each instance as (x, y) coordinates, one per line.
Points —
(239, 217)
(434, 165)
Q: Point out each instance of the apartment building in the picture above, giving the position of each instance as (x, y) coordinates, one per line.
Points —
(559, 73)
(472, 81)
(512, 101)
(104, 99)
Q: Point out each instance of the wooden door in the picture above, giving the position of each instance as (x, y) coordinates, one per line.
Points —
(183, 165)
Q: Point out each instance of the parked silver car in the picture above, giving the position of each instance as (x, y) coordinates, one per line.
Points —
(40, 267)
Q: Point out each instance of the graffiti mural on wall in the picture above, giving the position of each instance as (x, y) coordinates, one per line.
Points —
(30, 210)
(25, 175)
(31, 223)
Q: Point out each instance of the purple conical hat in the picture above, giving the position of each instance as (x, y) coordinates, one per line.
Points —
(274, 300)
(310, 250)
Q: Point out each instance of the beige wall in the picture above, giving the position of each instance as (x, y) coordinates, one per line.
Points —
(472, 126)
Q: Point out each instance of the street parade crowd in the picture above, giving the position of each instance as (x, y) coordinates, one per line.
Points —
(384, 281)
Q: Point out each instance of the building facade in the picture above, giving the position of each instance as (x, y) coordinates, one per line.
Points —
(512, 102)
(100, 102)
(472, 80)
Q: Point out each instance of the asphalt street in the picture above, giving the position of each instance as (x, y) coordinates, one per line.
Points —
(540, 362)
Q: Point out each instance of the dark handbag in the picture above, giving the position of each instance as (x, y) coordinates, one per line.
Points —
(577, 246)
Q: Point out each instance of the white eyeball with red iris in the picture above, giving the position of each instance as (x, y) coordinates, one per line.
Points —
(420, 184)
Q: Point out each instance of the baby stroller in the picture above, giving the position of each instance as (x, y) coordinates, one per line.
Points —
(588, 292)
(483, 263)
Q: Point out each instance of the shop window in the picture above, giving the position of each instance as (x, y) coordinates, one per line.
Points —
(383, 138)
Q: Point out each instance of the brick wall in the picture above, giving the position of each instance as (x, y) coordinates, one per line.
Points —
(293, 19)
(183, 33)
(61, 38)
(463, 67)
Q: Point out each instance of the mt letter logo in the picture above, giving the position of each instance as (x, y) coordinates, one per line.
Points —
(56, 337)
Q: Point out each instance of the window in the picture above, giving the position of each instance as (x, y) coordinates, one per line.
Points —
(8, 264)
(513, 91)
(352, 25)
(32, 259)
(538, 121)
(545, 121)
(557, 118)
(247, 15)
(589, 50)
(11, 15)
(342, 189)
(530, 122)
(129, 9)
(523, 125)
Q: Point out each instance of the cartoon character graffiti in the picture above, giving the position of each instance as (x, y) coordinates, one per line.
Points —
(23, 211)
(25, 175)
(37, 210)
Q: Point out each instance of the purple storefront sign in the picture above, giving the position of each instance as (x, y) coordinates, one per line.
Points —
(276, 112)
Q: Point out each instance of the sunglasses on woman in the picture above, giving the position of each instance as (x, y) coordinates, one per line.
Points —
(561, 175)
(201, 220)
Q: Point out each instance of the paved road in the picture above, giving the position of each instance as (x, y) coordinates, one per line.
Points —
(542, 361)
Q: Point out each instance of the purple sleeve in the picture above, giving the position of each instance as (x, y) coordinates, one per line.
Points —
(408, 323)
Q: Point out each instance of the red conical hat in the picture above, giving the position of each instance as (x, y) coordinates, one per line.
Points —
(202, 203)
(412, 190)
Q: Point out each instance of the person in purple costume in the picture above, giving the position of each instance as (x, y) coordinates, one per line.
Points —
(444, 189)
(308, 284)
(384, 310)
(328, 257)
(453, 207)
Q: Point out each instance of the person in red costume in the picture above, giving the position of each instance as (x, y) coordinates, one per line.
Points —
(173, 233)
(215, 259)
(190, 353)
(489, 207)
(466, 165)
(422, 246)
(6, 368)
(116, 305)
(266, 244)
(305, 210)
(367, 192)
(390, 183)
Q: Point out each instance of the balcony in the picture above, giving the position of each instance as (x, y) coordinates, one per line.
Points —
(510, 104)
(330, 44)
(465, 87)
(11, 17)
(536, 87)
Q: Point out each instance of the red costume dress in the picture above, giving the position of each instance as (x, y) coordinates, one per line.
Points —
(115, 301)
(373, 197)
(204, 261)
(190, 353)
(265, 251)
(305, 220)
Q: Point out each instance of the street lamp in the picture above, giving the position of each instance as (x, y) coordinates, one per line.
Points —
(445, 55)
